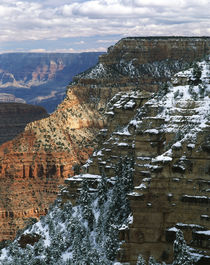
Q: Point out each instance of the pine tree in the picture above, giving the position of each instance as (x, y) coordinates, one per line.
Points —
(196, 75)
(85, 200)
(102, 190)
(182, 255)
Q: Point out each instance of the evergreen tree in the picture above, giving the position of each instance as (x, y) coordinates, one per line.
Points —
(182, 255)
(102, 190)
(85, 200)
(196, 75)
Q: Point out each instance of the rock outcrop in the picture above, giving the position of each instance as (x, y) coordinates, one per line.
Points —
(39, 159)
(167, 136)
(15, 116)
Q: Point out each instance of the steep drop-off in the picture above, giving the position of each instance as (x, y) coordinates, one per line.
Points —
(166, 134)
(41, 157)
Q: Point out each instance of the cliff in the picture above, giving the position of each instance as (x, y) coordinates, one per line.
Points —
(167, 136)
(41, 78)
(15, 116)
(39, 159)
(147, 181)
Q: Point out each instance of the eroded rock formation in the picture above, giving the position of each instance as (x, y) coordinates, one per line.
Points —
(39, 159)
(167, 135)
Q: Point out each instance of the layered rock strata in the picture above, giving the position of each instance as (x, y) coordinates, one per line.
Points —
(43, 155)
(167, 135)
(35, 163)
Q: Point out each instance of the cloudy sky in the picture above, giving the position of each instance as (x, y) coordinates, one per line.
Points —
(94, 25)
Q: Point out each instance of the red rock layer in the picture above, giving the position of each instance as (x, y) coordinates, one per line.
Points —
(34, 164)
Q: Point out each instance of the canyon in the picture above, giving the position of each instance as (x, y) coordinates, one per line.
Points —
(50, 150)
(41, 78)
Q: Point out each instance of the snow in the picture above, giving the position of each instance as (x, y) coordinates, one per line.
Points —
(109, 113)
(177, 144)
(173, 106)
(130, 104)
(104, 130)
(136, 194)
(130, 219)
(4, 254)
(205, 216)
(123, 131)
(146, 179)
(152, 131)
(67, 255)
(176, 179)
(98, 70)
(98, 153)
(83, 176)
(123, 227)
(162, 158)
(206, 233)
(141, 186)
(196, 196)
(173, 229)
(192, 226)
(123, 144)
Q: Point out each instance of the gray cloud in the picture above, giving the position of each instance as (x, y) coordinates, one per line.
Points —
(52, 19)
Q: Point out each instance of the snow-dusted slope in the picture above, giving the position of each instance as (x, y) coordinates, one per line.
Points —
(159, 134)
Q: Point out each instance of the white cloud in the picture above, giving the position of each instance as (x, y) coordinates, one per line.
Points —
(38, 20)
(70, 50)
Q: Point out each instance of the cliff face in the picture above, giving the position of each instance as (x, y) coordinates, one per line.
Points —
(40, 78)
(35, 163)
(43, 155)
(167, 136)
(143, 63)
(15, 116)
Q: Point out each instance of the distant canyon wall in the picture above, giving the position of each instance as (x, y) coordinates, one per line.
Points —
(41, 78)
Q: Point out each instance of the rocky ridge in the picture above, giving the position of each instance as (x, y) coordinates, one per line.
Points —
(43, 155)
